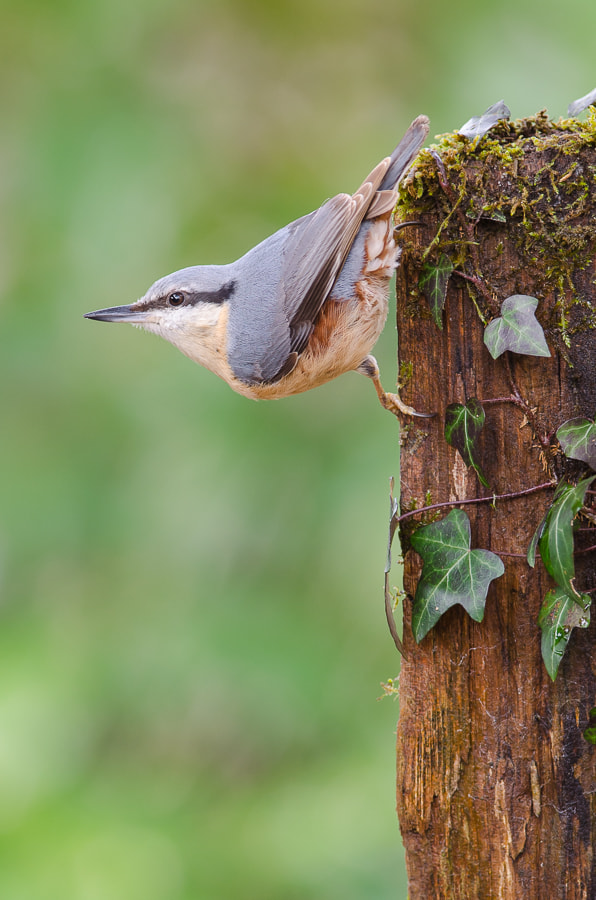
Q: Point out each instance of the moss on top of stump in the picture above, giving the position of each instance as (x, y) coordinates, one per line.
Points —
(532, 180)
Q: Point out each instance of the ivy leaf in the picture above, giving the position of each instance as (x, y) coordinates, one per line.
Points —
(492, 215)
(579, 105)
(516, 329)
(589, 733)
(559, 614)
(556, 541)
(533, 546)
(452, 572)
(478, 126)
(463, 424)
(433, 283)
(577, 437)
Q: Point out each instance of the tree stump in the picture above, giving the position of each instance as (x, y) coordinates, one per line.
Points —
(496, 783)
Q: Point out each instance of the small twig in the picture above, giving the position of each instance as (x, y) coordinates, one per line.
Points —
(514, 388)
(479, 285)
(522, 404)
(585, 550)
(491, 499)
(442, 176)
(516, 555)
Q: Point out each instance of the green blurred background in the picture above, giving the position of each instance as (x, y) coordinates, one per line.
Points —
(192, 636)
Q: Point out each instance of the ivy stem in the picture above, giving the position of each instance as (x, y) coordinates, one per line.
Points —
(491, 499)
(480, 286)
(442, 176)
(518, 400)
(469, 227)
(517, 555)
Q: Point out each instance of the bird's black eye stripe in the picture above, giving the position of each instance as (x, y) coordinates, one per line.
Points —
(220, 295)
(192, 298)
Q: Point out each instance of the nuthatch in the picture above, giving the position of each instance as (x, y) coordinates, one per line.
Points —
(302, 307)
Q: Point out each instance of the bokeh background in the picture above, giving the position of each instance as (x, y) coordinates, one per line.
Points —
(192, 636)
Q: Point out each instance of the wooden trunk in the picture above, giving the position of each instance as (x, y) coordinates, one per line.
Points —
(496, 784)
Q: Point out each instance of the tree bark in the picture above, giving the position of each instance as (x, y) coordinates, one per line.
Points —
(496, 784)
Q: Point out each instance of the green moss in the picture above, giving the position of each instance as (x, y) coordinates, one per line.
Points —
(406, 370)
(410, 526)
(515, 184)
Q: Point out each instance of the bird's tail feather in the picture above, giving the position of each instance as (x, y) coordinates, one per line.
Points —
(405, 152)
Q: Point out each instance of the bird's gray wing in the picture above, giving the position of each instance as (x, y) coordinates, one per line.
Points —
(313, 258)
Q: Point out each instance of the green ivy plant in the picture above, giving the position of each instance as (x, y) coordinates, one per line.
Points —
(516, 329)
(454, 573)
(590, 732)
(577, 438)
(463, 424)
(559, 614)
(433, 284)
(565, 607)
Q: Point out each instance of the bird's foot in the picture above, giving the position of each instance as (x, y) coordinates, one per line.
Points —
(392, 402)
(396, 405)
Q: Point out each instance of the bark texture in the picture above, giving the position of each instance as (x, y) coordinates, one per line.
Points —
(496, 784)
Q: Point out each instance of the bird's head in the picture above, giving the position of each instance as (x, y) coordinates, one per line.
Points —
(188, 308)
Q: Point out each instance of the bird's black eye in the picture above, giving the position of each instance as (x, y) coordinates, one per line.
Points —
(176, 298)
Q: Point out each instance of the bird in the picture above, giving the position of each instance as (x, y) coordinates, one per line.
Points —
(302, 307)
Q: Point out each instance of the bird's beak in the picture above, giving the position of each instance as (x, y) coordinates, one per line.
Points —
(119, 314)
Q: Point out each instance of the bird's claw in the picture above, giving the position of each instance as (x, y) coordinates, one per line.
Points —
(395, 404)
(392, 402)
